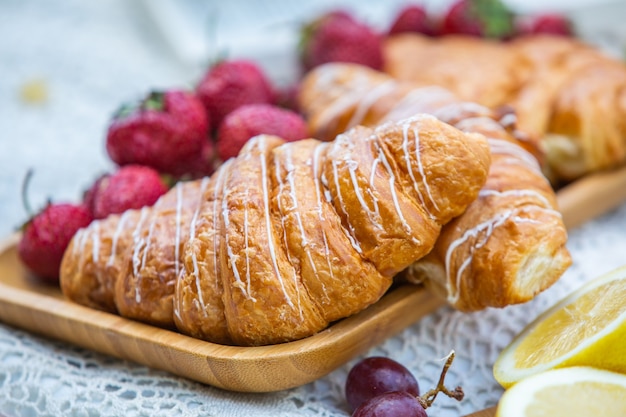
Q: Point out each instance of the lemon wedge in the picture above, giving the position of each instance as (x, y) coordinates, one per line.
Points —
(575, 391)
(586, 328)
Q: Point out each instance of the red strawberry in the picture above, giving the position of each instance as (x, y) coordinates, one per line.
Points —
(47, 235)
(412, 18)
(338, 37)
(482, 18)
(550, 23)
(204, 162)
(164, 131)
(253, 120)
(130, 187)
(232, 84)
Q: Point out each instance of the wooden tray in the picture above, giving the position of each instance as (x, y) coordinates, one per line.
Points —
(41, 309)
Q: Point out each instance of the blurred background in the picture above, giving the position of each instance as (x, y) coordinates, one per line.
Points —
(65, 67)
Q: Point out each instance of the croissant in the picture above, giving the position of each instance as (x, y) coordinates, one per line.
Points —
(128, 262)
(568, 94)
(510, 243)
(285, 238)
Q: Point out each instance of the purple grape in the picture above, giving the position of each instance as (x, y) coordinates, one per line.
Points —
(391, 404)
(377, 375)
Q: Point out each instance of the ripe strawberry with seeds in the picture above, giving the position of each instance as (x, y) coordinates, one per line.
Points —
(482, 18)
(46, 236)
(412, 18)
(164, 131)
(231, 84)
(549, 23)
(130, 187)
(254, 119)
(338, 37)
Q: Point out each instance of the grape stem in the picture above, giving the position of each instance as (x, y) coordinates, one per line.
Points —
(427, 399)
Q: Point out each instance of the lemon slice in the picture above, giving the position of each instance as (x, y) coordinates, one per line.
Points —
(586, 328)
(576, 391)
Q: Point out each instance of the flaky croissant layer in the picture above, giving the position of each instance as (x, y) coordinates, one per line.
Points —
(510, 243)
(285, 238)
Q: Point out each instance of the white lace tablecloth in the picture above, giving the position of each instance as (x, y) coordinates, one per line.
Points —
(91, 56)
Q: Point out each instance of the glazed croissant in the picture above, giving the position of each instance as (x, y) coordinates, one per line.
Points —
(284, 239)
(566, 93)
(510, 243)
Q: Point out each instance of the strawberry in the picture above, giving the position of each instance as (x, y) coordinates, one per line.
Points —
(164, 131)
(231, 84)
(46, 236)
(412, 18)
(130, 187)
(203, 164)
(482, 18)
(338, 37)
(255, 119)
(549, 23)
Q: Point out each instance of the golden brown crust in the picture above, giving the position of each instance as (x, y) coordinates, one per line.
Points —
(401, 167)
(318, 244)
(261, 254)
(264, 300)
(477, 70)
(517, 203)
(566, 94)
(509, 245)
(198, 306)
(145, 287)
(94, 259)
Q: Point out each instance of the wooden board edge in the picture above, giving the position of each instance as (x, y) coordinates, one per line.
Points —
(277, 367)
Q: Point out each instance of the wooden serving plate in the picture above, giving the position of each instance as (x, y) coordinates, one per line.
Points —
(41, 309)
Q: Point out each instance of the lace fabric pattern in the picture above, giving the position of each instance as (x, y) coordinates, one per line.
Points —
(92, 57)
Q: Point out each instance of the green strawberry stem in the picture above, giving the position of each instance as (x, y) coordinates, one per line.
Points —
(496, 18)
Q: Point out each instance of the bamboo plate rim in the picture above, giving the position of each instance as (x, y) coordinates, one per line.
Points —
(219, 365)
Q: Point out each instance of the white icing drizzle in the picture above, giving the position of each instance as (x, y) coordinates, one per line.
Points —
(246, 241)
(232, 257)
(220, 180)
(318, 196)
(306, 244)
(516, 193)
(116, 236)
(95, 237)
(415, 101)
(79, 241)
(487, 227)
(367, 100)
(268, 224)
(350, 97)
(454, 110)
(392, 178)
(350, 235)
(373, 215)
(137, 243)
(281, 209)
(508, 119)
(179, 209)
(501, 146)
(146, 248)
(192, 235)
(420, 167)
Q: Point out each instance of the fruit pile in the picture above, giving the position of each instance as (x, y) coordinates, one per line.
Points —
(339, 36)
(167, 136)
